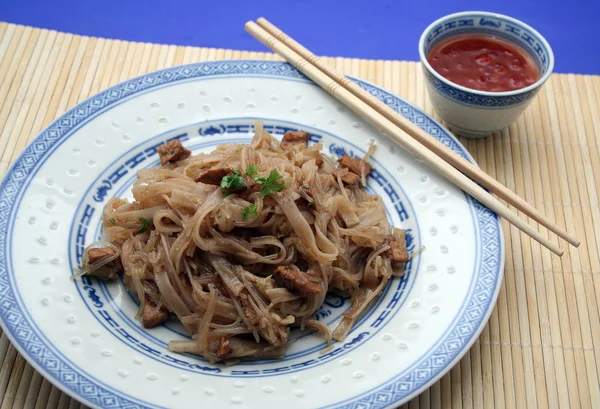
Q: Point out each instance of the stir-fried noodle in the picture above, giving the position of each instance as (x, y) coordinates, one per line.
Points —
(242, 243)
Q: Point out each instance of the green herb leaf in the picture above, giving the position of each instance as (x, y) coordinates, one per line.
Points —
(113, 221)
(233, 181)
(249, 211)
(260, 179)
(145, 223)
(272, 184)
(311, 203)
(252, 170)
(306, 187)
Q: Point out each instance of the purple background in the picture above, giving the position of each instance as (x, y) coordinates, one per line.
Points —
(378, 29)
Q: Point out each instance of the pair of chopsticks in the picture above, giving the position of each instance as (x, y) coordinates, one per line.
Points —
(441, 159)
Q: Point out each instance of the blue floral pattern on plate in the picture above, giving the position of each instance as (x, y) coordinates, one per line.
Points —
(31, 342)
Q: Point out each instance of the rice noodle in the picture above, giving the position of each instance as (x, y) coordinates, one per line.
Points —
(321, 327)
(213, 256)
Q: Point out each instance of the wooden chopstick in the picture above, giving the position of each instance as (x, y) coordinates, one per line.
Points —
(420, 135)
(398, 135)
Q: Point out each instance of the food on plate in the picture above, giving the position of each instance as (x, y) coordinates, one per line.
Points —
(101, 259)
(484, 63)
(243, 243)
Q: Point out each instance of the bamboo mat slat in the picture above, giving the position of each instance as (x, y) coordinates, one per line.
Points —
(541, 347)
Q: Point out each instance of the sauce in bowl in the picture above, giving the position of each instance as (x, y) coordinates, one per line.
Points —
(483, 63)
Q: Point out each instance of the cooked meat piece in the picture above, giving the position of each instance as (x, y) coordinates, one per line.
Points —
(291, 138)
(353, 164)
(348, 178)
(214, 176)
(108, 271)
(172, 151)
(296, 280)
(98, 253)
(224, 348)
(397, 251)
(152, 316)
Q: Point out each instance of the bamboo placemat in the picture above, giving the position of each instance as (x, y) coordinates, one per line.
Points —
(541, 347)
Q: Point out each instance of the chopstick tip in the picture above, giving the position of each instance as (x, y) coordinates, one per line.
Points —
(571, 239)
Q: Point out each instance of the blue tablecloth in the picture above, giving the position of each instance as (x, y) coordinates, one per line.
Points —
(378, 29)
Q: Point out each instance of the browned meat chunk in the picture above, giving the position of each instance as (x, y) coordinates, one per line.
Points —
(172, 151)
(224, 348)
(296, 280)
(104, 271)
(98, 253)
(353, 164)
(397, 251)
(292, 138)
(214, 176)
(152, 316)
(348, 178)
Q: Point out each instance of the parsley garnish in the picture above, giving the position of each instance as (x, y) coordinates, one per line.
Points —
(249, 211)
(145, 223)
(233, 181)
(270, 185)
(311, 203)
(306, 187)
(113, 221)
(252, 170)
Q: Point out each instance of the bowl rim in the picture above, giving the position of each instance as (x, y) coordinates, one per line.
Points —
(531, 87)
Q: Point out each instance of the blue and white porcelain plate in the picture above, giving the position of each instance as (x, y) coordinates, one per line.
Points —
(81, 334)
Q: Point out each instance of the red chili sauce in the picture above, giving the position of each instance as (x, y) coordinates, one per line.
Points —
(484, 63)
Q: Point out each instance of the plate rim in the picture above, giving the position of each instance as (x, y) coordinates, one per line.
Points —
(285, 67)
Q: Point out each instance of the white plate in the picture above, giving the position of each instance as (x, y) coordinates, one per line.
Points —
(82, 334)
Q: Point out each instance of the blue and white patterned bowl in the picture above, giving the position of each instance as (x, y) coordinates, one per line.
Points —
(474, 113)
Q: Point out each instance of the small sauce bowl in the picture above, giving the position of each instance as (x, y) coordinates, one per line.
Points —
(474, 113)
